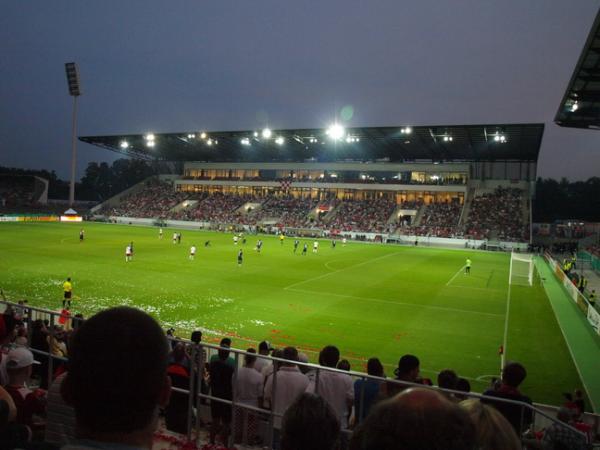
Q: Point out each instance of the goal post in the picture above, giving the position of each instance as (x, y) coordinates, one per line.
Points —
(521, 269)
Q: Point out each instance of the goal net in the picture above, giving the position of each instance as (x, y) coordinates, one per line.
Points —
(521, 269)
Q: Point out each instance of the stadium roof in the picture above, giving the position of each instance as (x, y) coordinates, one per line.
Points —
(580, 106)
(497, 142)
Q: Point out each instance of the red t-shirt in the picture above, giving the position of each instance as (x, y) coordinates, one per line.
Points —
(28, 403)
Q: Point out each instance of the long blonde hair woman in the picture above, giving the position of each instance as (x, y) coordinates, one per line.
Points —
(493, 431)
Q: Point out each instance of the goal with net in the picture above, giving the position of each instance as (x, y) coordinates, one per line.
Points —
(521, 269)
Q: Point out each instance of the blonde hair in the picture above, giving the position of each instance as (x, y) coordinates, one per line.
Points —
(493, 431)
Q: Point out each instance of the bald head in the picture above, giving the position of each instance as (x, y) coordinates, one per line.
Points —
(416, 419)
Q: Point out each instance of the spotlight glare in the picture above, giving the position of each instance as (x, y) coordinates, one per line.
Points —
(203, 135)
(445, 138)
(336, 131)
(209, 142)
(256, 134)
(279, 140)
(124, 144)
(497, 138)
(150, 143)
(575, 106)
(149, 137)
(266, 133)
(408, 130)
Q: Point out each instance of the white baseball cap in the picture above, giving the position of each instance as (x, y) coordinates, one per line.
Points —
(20, 357)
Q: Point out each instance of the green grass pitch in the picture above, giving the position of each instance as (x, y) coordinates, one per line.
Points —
(369, 300)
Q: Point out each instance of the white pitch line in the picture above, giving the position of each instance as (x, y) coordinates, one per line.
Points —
(318, 277)
(455, 275)
(379, 300)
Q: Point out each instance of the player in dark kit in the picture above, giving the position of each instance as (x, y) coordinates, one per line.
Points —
(296, 243)
(304, 249)
(81, 235)
(240, 257)
(333, 243)
(207, 244)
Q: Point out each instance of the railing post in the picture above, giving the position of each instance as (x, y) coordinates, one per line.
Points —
(193, 370)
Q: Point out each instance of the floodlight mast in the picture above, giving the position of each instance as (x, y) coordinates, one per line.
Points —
(74, 91)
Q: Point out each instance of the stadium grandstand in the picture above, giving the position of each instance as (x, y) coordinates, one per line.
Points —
(449, 185)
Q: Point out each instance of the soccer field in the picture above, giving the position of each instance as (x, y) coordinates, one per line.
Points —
(369, 300)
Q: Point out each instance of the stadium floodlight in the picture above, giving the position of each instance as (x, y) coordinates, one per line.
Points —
(406, 130)
(191, 136)
(266, 133)
(575, 106)
(203, 135)
(256, 134)
(280, 140)
(209, 142)
(245, 141)
(73, 79)
(74, 91)
(150, 144)
(124, 144)
(149, 137)
(336, 131)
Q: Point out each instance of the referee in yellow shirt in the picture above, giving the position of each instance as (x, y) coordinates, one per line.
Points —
(68, 292)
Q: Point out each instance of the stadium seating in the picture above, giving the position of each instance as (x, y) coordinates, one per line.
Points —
(17, 190)
(363, 215)
(497, 215)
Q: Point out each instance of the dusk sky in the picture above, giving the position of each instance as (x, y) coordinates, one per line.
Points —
(168, 66)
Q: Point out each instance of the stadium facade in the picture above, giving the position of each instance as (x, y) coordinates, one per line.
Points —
(457, 185)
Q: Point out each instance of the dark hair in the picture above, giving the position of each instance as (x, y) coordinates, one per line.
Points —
(250, 359)
(416, 419)
(462, 384)
(122, 353)
(329, 356)
(513, 374)
(225, 342)
(374, 367)
(447, 379)
(290, 353)
(407, 364)
(310, 423)
(196, 336)
(344, 364)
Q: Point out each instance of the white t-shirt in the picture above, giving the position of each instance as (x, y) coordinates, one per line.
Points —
(291, 383)
(248, 386)
(316, 244)
(261, 363)
(193, 250)
(128, 250)
(338, 390)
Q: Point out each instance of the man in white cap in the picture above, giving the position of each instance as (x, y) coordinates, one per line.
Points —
(29, 402)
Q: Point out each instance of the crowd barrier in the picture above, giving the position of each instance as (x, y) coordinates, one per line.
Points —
(265, 418)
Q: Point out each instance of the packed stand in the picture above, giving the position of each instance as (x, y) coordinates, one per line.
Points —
(155, 200)
(499, 213)
(219, 207)
(288, 211)
(363, 215)
(439, 220)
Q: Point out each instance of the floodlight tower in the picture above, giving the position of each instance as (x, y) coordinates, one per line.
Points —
(74, 91)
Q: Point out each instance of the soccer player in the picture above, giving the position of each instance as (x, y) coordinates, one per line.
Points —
(344, 242)
(174, 238)
(240, 257)
(207, 244)
(235, 239)
(304, 249)
(128, 253)
(67, 292)
(296, 243)
(468, 267)
(258, 245)
(281, 238)
(192, 252)
(160, 233)
(81, 235)
(333, 243)
(315, 246)
(179, 238)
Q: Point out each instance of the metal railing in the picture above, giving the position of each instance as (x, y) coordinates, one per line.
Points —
(197, 399)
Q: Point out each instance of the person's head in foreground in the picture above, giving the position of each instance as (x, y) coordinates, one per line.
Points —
(310, 423)
(117, 378)
(494, 432)
(416, 419)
